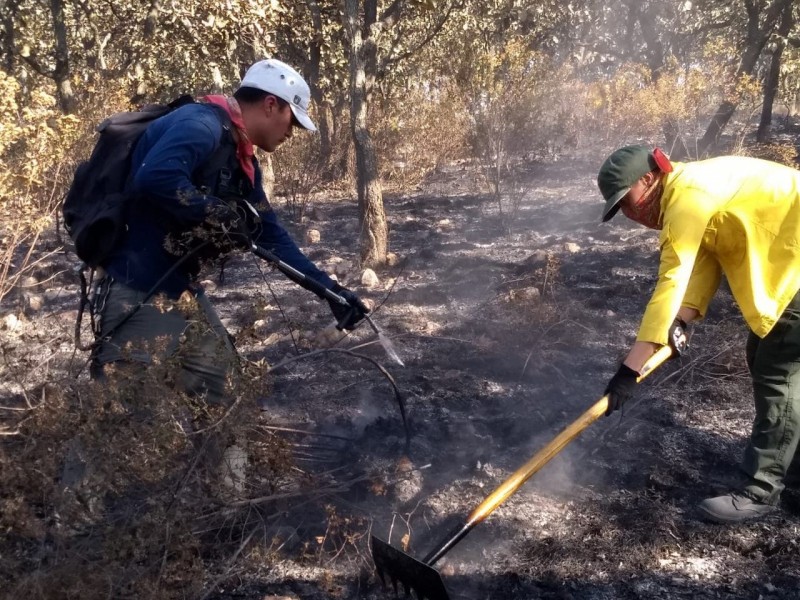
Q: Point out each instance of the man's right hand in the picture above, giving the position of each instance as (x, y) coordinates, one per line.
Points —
(347, 317)
(678, 340)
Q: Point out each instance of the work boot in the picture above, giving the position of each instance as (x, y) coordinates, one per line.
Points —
(734, 508)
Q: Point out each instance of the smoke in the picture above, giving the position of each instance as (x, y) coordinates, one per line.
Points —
(368, 410)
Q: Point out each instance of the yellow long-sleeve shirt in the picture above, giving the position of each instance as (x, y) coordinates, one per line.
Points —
(734, 215)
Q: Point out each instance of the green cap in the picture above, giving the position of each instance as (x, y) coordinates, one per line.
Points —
(620, 171)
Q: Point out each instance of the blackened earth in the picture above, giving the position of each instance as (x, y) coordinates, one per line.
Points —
(510, 320)
(510, 324)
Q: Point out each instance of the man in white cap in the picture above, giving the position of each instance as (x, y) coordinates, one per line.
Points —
(283, 82)
(196, 194)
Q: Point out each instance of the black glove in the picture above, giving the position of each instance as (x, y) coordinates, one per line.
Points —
(620, 388)
(228, 223)
(677, 337)
(347, 317)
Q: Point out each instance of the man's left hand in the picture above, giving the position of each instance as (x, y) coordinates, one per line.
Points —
(229, 223)
(347, 317)
(621, 387)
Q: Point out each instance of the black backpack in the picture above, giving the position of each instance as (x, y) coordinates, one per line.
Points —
(95, 205)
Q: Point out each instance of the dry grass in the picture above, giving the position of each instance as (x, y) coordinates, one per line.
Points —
(785, 154)
(117, 489)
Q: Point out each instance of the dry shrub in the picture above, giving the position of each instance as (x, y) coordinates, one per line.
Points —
(39, 150)
(632, 104)
(790, 80)
(523, 104)
(114, 490)
(36, 144)
(748, 95)
(299, 172)
(343, 532)
(785, 154)
(504, 97)
(624, 105)
(522, 107)
(417, 131)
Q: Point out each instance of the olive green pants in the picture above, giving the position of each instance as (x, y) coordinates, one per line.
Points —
(774, 363)
(187, 331)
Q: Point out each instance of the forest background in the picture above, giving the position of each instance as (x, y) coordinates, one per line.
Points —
(401, 90)
(398, 87)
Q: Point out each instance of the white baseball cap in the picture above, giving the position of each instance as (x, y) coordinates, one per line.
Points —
(283, 81)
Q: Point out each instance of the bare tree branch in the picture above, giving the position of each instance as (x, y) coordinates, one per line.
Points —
(705, 29)
(392, 13)
(35, 65)
(398, 395)
(435, 30)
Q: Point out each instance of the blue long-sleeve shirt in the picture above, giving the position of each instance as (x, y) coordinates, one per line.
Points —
(167, 202)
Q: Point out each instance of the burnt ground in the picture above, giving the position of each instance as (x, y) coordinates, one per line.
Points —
(509, 326)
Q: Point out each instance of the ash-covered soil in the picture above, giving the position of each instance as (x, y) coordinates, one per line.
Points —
(509, 324)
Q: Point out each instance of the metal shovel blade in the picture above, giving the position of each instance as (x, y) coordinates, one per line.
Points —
(402, 569)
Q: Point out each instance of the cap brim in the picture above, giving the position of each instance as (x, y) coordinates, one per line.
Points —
(302, 118)
(612, 204)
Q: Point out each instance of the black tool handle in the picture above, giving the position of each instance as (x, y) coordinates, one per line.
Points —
(297, 276)
(455, 536)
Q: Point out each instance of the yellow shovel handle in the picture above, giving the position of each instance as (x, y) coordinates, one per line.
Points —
(541, 458)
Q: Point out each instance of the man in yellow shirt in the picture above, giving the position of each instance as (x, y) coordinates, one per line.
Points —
(739, 217)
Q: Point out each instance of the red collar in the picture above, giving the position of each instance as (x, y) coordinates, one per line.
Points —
(244, 148)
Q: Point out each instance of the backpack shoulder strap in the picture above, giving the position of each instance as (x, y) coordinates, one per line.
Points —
(221, 173)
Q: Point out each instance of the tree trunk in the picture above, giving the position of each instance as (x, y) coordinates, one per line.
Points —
(9, 13)
(139, 70)
(325, 126)
(757, 37)
(774, 76)
(342, 140)
(346, 167)
(363, 55)
(314, 68)
(372, 216)
(267, 176)
(645, 14)
(62, 73)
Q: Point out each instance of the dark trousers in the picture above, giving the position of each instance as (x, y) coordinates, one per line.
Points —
(186, 332)
(774, 363)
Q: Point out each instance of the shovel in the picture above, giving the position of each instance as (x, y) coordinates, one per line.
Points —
(419, 575)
